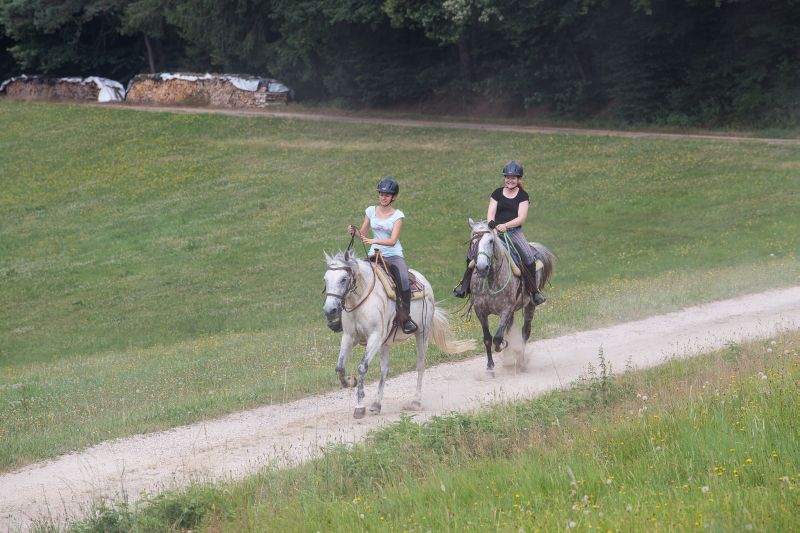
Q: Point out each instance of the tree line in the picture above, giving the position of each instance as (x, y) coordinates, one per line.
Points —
(674, 62)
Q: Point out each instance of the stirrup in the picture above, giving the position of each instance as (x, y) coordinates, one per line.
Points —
(409, 326)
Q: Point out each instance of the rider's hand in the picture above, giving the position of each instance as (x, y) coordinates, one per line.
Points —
(501, 227)
(351, 229)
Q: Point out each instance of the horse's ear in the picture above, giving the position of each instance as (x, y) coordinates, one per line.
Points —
(328, 258)
(471, 222)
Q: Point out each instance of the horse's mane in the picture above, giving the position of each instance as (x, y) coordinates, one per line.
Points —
(480, 226)
(343, 259)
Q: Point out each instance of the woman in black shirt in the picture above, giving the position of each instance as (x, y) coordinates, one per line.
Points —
(508, 209)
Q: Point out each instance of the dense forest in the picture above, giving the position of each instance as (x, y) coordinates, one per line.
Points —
(672, 62)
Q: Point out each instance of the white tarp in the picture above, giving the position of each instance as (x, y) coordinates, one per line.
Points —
(109, 90)
(243, 83)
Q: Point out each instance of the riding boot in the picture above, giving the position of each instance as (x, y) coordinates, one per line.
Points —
(537, 296)
(404, 312)
(462, 289)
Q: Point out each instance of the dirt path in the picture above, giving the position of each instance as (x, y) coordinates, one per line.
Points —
(448, 124)
(242, 443)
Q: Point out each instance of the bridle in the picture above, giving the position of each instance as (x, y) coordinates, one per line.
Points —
(477, 236)
(351, 287)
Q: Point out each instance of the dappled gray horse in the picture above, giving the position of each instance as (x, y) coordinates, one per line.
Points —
(357, 304)
(496, 290)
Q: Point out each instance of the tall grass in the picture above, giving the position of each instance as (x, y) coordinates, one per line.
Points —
(698, 444)
(156, 269)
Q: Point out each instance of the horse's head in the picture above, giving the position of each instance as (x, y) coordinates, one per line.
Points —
(340, 279)
(485, 237)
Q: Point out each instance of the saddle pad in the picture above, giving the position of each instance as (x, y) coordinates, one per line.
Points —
(417, 289)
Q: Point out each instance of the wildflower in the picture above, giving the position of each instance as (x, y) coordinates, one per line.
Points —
(572, 524)
(705, 489)
(629, 508)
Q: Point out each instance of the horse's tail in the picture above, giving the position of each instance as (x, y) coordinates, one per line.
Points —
(443, 335)
(548, 258)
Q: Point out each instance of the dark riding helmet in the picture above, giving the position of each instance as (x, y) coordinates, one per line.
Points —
(512, 168)
(388, 185)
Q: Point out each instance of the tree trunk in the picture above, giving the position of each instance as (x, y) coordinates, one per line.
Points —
(464, 57)
(150, 55)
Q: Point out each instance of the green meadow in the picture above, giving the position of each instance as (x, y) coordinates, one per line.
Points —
(704, 444)
(157, 269)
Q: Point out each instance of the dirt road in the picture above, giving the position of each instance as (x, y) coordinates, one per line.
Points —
(418, 123)
(236, 445)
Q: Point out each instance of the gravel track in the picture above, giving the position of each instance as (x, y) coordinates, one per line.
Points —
(279, 435)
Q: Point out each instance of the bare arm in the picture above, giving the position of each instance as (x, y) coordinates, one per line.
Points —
(492, 211)
(351, 229)
(522, 215)
(398, 225)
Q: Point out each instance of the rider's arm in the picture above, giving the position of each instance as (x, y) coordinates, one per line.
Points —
(391, 240)
(362, 231)
(522, 215)
(492, 210)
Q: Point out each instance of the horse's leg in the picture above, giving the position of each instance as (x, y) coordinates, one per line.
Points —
(422, 350)
(487, 341)
(373, 345)
(526, 326)
(506, 319)
(375, 408)
(345, 348)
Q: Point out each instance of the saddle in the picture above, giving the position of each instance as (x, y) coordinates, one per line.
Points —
(387, 280)
(514, 261)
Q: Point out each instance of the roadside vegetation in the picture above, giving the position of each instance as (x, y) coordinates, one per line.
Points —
(157, 269)
(707, 443)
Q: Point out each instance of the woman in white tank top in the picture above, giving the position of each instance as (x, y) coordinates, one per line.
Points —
(386, 223)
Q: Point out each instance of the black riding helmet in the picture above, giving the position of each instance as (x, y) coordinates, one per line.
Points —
(512, 168)
(388, 185)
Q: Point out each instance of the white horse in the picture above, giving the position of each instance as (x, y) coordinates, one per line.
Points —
(357, 304)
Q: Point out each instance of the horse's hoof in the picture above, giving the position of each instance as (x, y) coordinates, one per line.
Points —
(375, 408)
(414, 405)
(351, 381)
(359, 412)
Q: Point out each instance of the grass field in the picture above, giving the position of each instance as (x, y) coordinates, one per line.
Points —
(157, 269)
(708, 444)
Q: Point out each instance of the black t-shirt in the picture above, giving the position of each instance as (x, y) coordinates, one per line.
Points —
(508, 208)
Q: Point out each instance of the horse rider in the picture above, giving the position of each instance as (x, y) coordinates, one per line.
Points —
(508, 209)
(386, 223)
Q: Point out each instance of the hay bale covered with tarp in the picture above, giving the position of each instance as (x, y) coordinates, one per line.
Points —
(41, 88)
(217, 90)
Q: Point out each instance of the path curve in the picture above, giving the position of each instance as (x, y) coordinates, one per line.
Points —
(279, 435)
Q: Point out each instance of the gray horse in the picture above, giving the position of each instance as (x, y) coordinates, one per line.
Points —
(496, 290)
(358, 306)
